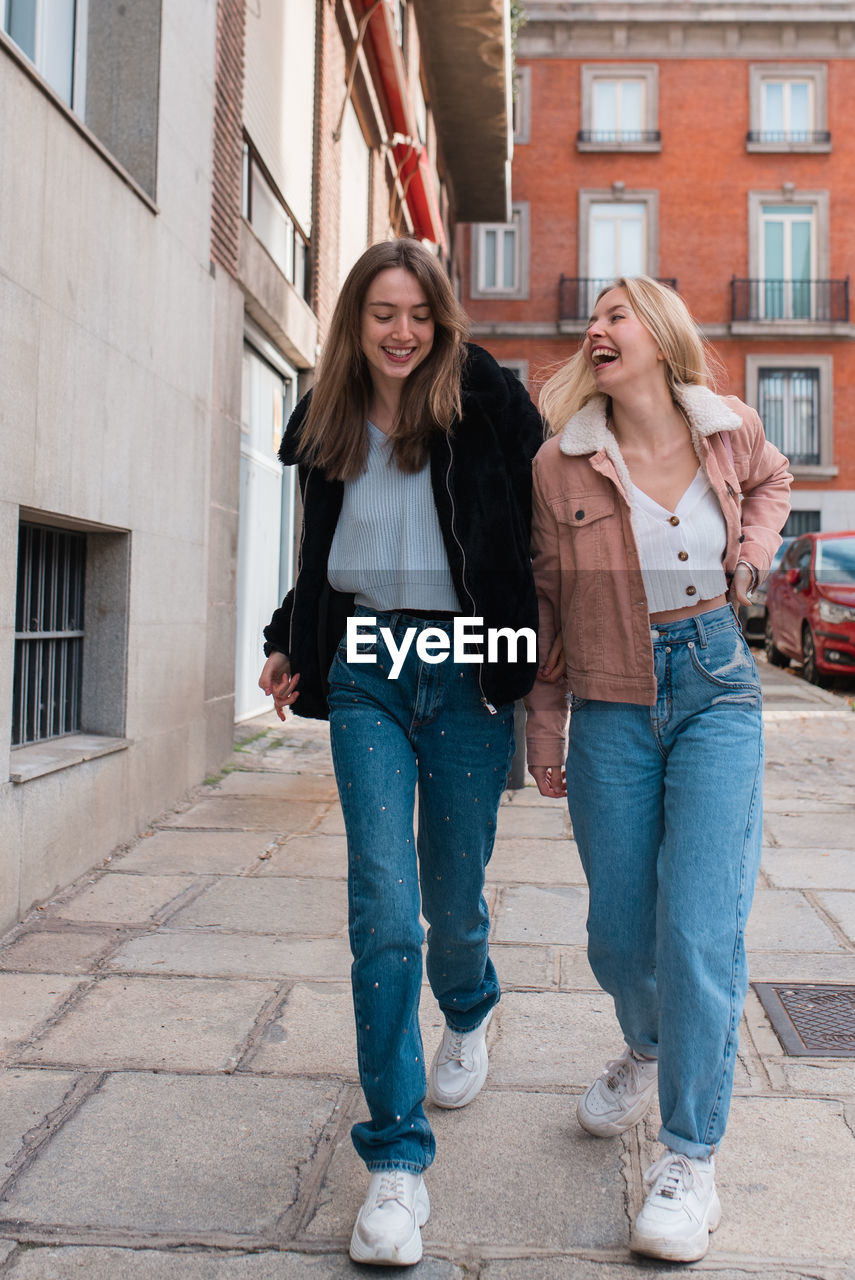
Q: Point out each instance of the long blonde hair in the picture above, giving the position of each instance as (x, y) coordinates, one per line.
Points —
(334, 435)
(688, 357)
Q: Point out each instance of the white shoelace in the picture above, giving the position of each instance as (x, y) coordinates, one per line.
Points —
(623, 1072)
(454, 1048)
(391, 1188)
(679, 1175)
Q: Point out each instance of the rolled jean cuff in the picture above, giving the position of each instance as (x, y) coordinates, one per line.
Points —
(697, 1150)
(384, 1166)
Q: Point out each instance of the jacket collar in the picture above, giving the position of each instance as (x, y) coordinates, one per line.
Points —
(588, 430)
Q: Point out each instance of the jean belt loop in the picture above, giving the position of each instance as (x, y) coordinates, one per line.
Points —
(701, 630)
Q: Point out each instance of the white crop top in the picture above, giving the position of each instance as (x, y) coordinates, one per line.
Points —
(681, 550)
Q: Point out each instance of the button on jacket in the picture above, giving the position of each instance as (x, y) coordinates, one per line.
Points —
(481, 482)
(586, 563)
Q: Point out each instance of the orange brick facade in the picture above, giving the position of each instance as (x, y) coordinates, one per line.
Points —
(704, 175)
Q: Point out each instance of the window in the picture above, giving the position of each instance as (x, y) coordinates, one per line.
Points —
(48, 678)
(619, 108)
(788, 108)
(799, 522)
(793, 397)
(500, 257)
(52, 34)
(788, 254)
(618, 235)
(272, 221)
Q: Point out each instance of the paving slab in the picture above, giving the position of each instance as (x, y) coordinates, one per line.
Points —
(314, 1033)
(273, 905)
(149, 1264)
(545, 1184)
(26, 1097)
(323, 856)
(56, 951)
(161, 1023)
(801, 966)
(783, 920)
(277, 786)
(632, 1266)
(820, 830)
(575, 972)
(332, 823)
(122, 899)
(841, 907)
(552, 914)
(517, 860)
(810, 868)
(786, 1177)
(26, 1000)
(519, 966)
(528, 796)
(166, 1153)
(533, 823)
(224, 955)
(553, 1038)
(169, 853)
(251, 813)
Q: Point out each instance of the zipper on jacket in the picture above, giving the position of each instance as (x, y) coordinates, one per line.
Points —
(299, 570)
(484, 701)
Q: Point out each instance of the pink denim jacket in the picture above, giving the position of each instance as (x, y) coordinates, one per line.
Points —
(586, 563)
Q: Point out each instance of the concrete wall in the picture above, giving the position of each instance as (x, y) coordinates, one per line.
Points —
(118, 411)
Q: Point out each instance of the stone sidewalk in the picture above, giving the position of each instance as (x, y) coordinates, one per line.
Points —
(177, 1062)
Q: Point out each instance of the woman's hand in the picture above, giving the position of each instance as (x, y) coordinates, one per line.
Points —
(741, 584)
(276, 680)
(553, 668)
(550, 780)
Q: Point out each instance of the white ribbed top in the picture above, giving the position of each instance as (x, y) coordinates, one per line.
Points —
(681, 550)
(388, 548)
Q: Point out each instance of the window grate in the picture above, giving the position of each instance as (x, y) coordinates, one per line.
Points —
(788, 404)
(49, 634)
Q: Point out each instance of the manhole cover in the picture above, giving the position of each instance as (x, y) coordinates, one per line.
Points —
(813, 1020)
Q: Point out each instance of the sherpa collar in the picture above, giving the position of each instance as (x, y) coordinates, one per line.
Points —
(588, 432)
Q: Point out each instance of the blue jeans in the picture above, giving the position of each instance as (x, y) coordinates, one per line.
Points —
(427, 727)
(666, 805)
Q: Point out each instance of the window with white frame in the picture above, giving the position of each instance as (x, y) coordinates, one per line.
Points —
(788, 107)
(793, 395)
(619, 108)
(617, 237)
(52, 34)
(789, 261)
(500, 257)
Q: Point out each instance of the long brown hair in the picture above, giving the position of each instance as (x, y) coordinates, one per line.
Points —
(664, 314)
(334, 435)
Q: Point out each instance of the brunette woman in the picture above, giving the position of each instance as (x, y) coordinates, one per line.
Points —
(414, 454)
(656, 503)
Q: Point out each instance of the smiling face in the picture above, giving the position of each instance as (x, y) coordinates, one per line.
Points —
(397, 328)
(617, 346)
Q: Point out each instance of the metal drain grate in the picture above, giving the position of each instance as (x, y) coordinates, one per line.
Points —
(813, 1020)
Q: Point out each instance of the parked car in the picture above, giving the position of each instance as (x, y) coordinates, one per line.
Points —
(810, 606)
(753, 616)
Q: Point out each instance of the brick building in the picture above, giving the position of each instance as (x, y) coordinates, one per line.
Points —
(705, 144)
(182, 189)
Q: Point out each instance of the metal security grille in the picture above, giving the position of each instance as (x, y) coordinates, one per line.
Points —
(48, 634)
(814, 1020)
(788, 403)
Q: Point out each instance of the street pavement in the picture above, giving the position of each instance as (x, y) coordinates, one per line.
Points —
(178, 1068)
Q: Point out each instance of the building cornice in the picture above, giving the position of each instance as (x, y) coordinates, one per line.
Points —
(688, 29)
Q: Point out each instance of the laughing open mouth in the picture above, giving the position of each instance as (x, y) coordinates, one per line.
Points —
(603, 355)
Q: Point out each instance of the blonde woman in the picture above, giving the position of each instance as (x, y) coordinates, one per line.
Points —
(656, 503)
(414, 454)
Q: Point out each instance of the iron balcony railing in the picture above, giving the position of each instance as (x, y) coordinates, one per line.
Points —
(577, 295)
(618, 137)
(814, 301)
(803, 137)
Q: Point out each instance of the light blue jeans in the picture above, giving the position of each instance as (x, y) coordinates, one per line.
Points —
(666, 805)
(428, 728)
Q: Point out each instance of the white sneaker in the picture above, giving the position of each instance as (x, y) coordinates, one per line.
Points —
(459, 1066)
(681, 1209)
(387, 1228)
(619, 1097)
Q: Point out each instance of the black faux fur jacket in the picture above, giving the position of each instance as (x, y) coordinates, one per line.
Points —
(481, 480)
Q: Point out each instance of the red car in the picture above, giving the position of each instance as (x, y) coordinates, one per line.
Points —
(810, 606)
